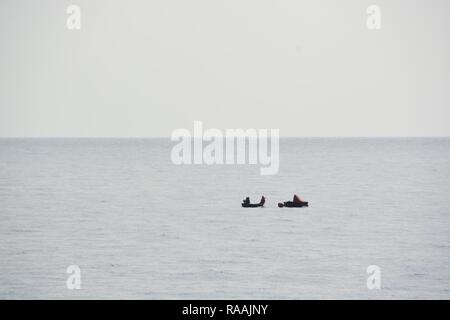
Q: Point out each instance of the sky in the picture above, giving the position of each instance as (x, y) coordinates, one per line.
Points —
(145, 68)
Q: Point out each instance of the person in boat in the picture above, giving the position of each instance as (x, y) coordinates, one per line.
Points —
(297, 199)
(246, 202)
(263, 200)
(296, 202)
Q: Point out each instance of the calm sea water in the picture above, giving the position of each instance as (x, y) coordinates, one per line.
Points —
(140, 227)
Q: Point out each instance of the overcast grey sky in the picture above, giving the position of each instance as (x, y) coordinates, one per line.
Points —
(145, 68)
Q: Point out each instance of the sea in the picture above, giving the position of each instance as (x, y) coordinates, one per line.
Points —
(136, 226)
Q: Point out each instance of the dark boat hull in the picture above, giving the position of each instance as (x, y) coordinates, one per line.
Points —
(291, 204)
(251, 205)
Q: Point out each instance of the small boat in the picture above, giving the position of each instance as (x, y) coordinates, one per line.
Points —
(290, 204)
(296, 203)
(246, 203)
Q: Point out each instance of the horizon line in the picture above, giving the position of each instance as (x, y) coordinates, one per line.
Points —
(168, 137)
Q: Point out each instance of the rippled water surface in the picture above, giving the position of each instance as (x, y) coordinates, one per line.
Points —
(141, 227)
